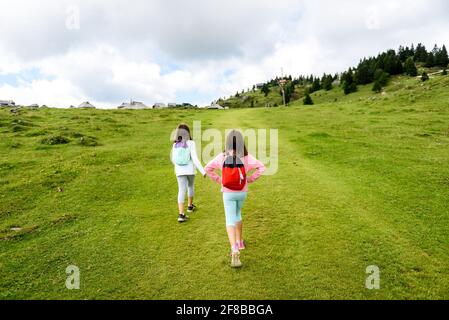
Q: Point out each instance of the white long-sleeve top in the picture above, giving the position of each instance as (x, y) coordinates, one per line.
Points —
(194, 163)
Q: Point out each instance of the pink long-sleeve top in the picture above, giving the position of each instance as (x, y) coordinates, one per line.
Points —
(249, 162)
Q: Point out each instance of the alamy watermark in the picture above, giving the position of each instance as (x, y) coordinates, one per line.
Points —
(261, 143)
(373, 280)
(73, 278)
(372, 18)
(72, 21)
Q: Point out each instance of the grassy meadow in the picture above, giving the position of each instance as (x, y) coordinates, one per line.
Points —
(363, 180)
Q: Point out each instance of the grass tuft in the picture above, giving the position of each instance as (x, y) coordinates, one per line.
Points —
(55, 140)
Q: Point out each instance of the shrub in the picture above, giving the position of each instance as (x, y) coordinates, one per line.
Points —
(424, 77)
(381, 77)
(18, 128)
(410, 67)
(55, 140)
(88, 141)
(308, 100)
(377, 87)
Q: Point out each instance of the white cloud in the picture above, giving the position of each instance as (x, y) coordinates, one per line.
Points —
(200, 50)
(57, 92)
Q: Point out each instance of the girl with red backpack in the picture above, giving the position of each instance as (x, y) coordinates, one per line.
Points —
(235, 163)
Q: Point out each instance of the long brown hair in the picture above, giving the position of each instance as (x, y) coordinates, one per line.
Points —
(235, 142)
(182, 133)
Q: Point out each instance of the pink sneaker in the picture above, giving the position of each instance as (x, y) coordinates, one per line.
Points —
(242, 245)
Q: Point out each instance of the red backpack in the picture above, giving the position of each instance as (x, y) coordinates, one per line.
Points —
(233, 175)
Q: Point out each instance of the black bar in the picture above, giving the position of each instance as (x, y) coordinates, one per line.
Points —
(206, 309)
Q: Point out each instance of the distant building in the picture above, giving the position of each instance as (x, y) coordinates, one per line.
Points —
(172, 105)
(259, 85)
(133, 105)
(7, 103)
(86, 105)
(33, 106)
(215, 106)
(336, 83)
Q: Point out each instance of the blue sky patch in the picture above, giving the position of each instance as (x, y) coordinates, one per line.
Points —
(27, 75)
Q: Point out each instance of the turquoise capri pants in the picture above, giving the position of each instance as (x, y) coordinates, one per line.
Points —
(233, 203)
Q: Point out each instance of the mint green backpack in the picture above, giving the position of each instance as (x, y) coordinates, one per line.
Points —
(181, 154)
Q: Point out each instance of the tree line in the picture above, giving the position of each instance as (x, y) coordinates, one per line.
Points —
(376, 70)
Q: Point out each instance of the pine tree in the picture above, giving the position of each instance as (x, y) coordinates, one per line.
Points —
(410, 67)
(348, 82)
(408, 52)
(444, 57)
(435, 50)
(363, 73)
(441, 58)
(430, 61)
(316, 85)
(308, 100)
(265, 89)
(288, 91)
(326, 82)
(402, 53)
(420, 53)
(405, 53)
(391, 63)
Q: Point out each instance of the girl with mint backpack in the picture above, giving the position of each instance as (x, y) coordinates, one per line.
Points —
(186, 162)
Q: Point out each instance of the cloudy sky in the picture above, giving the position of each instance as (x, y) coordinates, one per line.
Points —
(61, 53)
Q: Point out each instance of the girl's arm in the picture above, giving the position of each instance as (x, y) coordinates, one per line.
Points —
(171, 155)
(253, 163)
(195, 159)
(215, 164)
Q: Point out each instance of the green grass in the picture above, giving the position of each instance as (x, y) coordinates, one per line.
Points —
(363, 180)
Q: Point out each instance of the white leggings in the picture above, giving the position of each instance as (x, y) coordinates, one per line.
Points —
(185, 183)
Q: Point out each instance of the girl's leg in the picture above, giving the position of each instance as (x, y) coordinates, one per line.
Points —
(231, 235)
(230, 206)
(181, 208)
(182, 188)
(239, 223)
(235, 252)
(190, 189)
(231, 201)
(239, 232)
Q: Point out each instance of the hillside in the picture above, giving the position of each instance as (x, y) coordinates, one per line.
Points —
(376, 71)
(362, 180)
(257, 99)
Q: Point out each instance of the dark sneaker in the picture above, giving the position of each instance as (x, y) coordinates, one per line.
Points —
(182, 218)
(191, 208)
